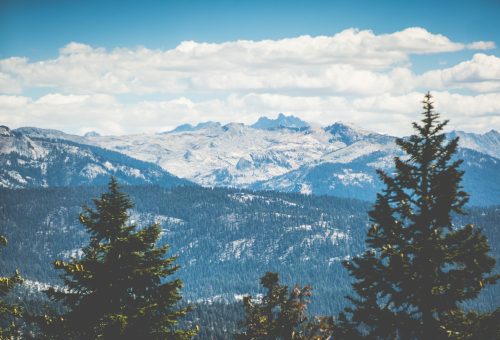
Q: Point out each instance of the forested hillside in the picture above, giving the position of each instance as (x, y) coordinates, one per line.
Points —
(225, 239)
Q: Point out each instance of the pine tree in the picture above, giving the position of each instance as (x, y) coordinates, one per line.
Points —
(282, 314)
(419, 266)
(116, 290)
(9, 313)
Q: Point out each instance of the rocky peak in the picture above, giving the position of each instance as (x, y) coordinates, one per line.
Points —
(5, 131)
(282, 121)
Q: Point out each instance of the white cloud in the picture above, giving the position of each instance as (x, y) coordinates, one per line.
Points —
(481, 45)
(351, 62)
(385, 113)
(8, 84)
(354, 75)
(480, 74)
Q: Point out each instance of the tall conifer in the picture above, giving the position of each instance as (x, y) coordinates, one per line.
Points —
(117, 289)
(282, 314)
(419, 266)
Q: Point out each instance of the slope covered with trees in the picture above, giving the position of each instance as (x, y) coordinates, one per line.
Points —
(226, 239)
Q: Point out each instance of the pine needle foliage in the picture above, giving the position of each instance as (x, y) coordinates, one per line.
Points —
(419, 267)
(117, 289)
(281, 314)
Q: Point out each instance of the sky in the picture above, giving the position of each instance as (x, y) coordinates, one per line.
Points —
(122, 67)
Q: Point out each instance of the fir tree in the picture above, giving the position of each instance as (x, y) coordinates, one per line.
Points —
(419, 266)
(9, 313)
(282, 314)
(116, 290)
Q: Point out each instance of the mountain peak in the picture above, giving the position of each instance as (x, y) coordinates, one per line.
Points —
(347, 133)
(492, 132)
(487, 143)
(282, 121)
(189, 127)
(235, 128)
(39, 132)
(5, 131)
(91, 134)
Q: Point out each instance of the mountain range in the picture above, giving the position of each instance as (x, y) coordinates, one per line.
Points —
(282, 154)
(28, 160)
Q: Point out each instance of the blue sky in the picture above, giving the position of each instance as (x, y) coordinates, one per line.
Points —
(37, 29)
(108, 31)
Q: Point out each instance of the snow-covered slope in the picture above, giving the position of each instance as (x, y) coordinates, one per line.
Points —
(27, 161)
(358, 178)
(278, 154)
(34, 132)
(232, 155)
(488, 143)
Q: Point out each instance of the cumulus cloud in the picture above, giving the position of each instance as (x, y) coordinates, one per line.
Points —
(354, 75)
(480, 74)
(350, 62)
(385, 113)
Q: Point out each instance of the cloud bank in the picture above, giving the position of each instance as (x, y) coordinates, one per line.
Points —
(354, 75)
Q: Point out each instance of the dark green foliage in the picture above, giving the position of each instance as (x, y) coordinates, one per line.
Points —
(281, 314)
(201, 225)
(42, 225)
(116, 289)
(9, 312)
(420, 266)
(216, 320)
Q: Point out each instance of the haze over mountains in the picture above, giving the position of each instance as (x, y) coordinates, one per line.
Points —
(283, 154)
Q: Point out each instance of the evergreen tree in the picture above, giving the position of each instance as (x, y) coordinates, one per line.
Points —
(282, 314)
(9, 313)
(419, 266)
(116, 290)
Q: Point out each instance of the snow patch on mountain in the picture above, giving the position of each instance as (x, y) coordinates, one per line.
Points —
(285, 154)
(39, 159)
(349, 177)
(488, 143)
(235, 249)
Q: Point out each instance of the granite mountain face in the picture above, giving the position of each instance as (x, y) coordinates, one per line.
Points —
(30, 158)
(283, 154)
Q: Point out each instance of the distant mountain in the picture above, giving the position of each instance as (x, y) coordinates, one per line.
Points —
(290, 155)
(354, 179)
(349, 133)
(232, 155)
(282, 121)
(30, 161)
(488, 143)
(91, 134)
(357, 178)
(49, 134)
(189, 127)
